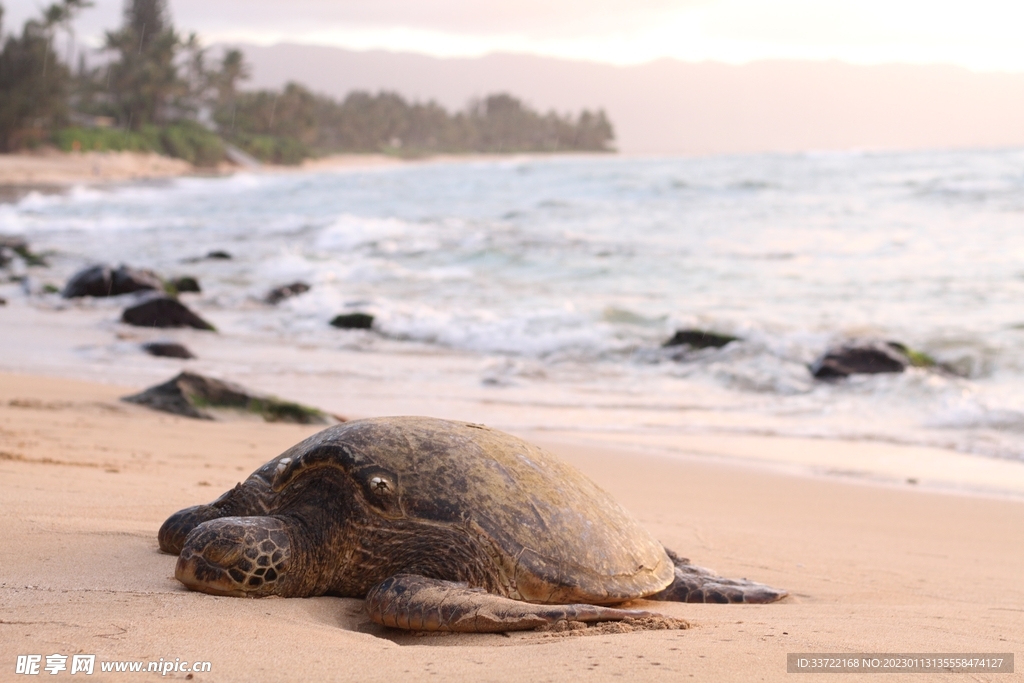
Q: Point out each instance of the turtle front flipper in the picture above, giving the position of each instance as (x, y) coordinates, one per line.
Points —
(697, 584)
(245, 557)
(417, 603)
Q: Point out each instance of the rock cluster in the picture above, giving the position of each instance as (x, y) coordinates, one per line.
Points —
(868, 357)
(853, 357)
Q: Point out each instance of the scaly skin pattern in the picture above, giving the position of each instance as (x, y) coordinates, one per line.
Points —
(237, 556)
(444, 525)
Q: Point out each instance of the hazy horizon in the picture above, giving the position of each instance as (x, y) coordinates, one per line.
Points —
(606, 31)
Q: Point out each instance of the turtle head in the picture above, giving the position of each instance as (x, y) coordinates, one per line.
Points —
(176, 529)
(239, 556)
(253, 497)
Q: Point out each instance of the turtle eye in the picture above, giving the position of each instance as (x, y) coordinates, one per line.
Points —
(381, 488)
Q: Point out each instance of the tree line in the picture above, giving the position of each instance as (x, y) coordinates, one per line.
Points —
(158, 91)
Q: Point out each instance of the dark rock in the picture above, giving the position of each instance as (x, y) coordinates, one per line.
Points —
(699, 339)
(286, 291)
(10, 245)
(186, 283)
(217, 255)
(3, 301)
(206, 398)
(167, 350)
(870, 357)
(101, 280)
(163, 311)
(353, 321)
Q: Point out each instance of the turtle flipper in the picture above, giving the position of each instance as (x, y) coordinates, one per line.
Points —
(697, 584)
(244, 557)
(417, 603)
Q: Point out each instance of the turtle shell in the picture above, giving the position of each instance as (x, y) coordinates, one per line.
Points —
(556, 536)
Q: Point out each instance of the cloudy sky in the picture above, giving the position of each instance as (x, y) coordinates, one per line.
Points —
(978, 34)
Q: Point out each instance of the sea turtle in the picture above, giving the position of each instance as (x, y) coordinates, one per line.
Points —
(441, 525)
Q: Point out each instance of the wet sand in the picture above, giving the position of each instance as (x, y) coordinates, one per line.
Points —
(873, 565)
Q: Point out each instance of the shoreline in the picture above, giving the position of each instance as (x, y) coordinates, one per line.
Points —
(59, 170)
(83, 341)
(89, 479)
(52, 171)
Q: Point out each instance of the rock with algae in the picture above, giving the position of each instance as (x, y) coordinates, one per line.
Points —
(206, 398)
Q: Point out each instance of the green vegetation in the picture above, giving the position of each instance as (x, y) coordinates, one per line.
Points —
(184, 140)
(286, 126)
(272, 149)
(157, 88)
(34, 85)
(106, 139)
(190, 141)
(270, 408)
(918, 359)
(276, 410)
(21, 248)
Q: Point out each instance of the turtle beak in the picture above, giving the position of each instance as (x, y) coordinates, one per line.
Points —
(237, 556)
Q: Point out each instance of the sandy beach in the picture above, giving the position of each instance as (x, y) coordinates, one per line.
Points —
(55, 168)
(52, 170)
(871, 567)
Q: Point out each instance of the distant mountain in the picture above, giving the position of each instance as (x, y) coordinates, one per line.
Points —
(671, 107)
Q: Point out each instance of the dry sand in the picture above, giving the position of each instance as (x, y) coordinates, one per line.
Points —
(87, 480)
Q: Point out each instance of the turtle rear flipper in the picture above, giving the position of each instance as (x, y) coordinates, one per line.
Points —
(417, 603)
(697, 584)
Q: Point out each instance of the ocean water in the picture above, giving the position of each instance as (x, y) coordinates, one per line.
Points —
(554, 282)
